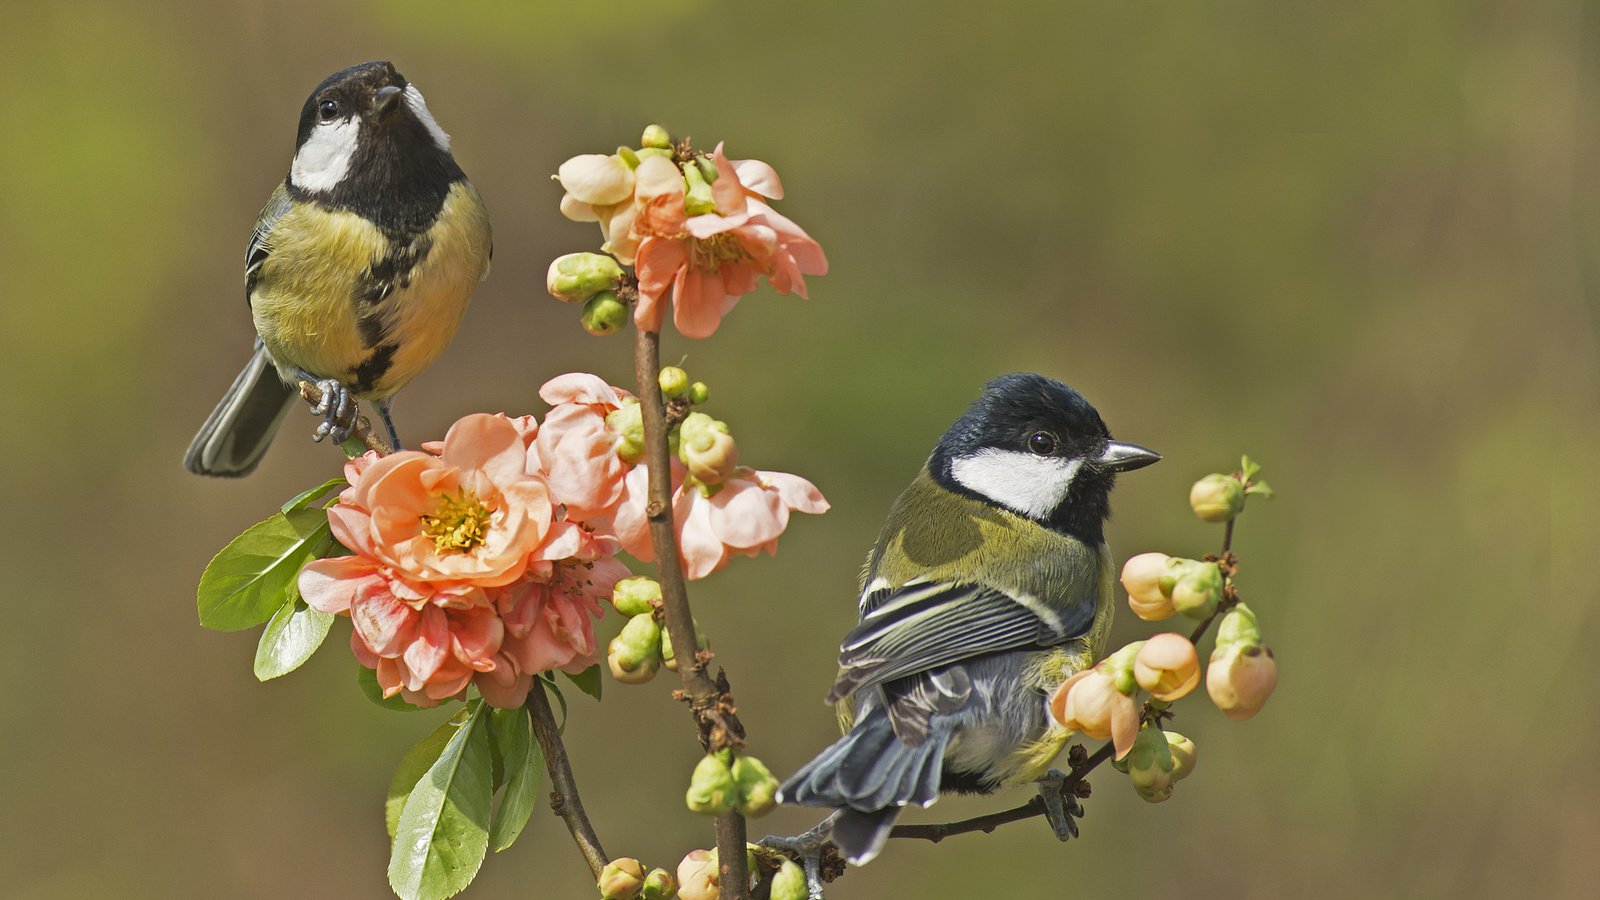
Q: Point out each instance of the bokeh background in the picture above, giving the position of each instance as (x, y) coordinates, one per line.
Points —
(1357, 241)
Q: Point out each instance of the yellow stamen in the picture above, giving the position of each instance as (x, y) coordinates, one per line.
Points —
(712, 253)
(459, 523)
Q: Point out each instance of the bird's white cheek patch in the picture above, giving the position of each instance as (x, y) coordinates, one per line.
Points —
(420, 109)
(1030, 485)
(324, 159)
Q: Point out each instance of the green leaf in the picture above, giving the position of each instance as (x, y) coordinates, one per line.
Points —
(255, 574)
(416, 763)
(295, 632)
(307, 497)
(1248, 468)
(443, 831)
(368, 679)
(588, 681)
(1260, 489)
(561, 700)
(512, 730)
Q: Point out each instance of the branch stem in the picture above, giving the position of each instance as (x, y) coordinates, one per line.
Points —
(564, 799)
(363, 435)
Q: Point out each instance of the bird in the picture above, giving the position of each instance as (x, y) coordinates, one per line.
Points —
(358, 270)
(990, 583)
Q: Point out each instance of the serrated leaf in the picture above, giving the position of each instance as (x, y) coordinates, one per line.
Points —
(368, 680)
(512, 731)
(294, 633)
(416, 763)
(443, 832)
(253, 576)
(307, 497)
(588, 681)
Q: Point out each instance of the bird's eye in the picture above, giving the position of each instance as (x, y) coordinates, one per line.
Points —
(1042, 443)
(328, 110)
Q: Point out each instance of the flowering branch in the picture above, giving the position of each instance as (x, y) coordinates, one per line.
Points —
(564, 798)
(1074, 784)
(363, 435)
(710, 701)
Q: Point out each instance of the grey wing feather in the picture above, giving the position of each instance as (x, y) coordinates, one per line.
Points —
(923, 625)
(260, 247)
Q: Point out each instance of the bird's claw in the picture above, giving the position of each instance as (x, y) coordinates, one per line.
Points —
(809, 848)
(1061, 807)
(337, 409)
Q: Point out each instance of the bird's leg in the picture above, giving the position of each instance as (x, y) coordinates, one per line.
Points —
(809, 847)
(1061, 807)
(337, 409)
(388, 422)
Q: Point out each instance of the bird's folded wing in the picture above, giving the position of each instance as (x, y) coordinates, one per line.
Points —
(258, 250)
(926, 624)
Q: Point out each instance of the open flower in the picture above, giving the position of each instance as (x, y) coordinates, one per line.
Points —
(576, 450)
(1090, 704)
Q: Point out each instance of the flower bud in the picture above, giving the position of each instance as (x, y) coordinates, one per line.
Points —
(711, 787)
(1167, 666)
(1141, 578)
(645, 153)
(604, 314)
(708, 168)
(697, 877)
(1240, 678)
(1239, 627)
(757, 788)
(698, 199)
(1090, 704)
(576, 277)
(621, 879)
(707, 449)
(658, 885)
(670, 658)
(674, 382)
(1150, 765)
(699, 393)
(628, 157)
(634, 596)
(635, 654)
(789, 882)
(1198, 591)
(627, 421)
(655, 136)
(1183, 754)
(596, 179)
(1217, 498)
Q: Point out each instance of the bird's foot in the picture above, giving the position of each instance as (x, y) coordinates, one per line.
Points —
(812, 849)
(337, 409)
(1061, 806)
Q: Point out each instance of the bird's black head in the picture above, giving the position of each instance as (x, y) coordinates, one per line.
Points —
(367, 142)
(1034, 446)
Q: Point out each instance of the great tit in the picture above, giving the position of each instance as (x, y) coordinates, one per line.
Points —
(989, 585)
(358, 270)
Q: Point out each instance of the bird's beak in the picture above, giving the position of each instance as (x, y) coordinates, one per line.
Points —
(385, 99)
(1120, 456)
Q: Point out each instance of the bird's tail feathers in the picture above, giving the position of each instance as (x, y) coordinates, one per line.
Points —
(237, 432)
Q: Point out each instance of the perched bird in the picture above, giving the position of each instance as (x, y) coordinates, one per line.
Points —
(989, 585)
(359, 268)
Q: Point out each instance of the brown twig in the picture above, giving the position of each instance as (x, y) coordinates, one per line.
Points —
(563, 787)
(710, 701)
(363, 433)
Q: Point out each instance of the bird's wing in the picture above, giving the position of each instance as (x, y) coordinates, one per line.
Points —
(260, 247)
(922, 625)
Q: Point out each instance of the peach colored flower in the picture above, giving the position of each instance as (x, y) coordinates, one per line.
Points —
(1167, 666)
(470, 515)
(1090, 704)
(575, 450)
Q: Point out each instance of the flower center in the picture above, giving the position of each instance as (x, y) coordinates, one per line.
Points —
(459, 522)
(712, 253)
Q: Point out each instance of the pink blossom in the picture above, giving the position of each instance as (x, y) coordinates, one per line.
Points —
(1090, 704)
(575, 450)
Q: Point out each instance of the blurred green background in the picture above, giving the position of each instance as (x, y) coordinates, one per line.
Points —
(1355, 240)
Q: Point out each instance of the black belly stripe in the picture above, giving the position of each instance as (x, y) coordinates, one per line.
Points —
(366, 376)
(381, 279)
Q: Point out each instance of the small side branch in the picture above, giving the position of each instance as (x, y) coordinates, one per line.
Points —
(939, 831)
(563, 787)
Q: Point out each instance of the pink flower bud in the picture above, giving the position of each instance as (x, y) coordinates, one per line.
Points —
(621, 879)
(1217, 498)
(1090, 704)
(697, 877)
(1141, 578)
(596, 179)
(1240, 678)
(1167, 666)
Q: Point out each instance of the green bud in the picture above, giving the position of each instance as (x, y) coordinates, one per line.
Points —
(647, 152)
(658, 885)
(1150, 765)
(634, 596)
(576, 277)
(1239, 628)
(655, 137)
(1183, 754)
(789, 882)
(758, 789)
(668, 658)
(699, 393)
(634, 656)
(627, 420)
(604, 314)
(1197, 593)
(628, 157)
(621, 879)
(711, 787)
(1217, 498)
(674, 382)
(708, 169)
(1120, 666)
(698, 199)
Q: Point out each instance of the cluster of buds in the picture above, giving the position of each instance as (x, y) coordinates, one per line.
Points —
(592, 279)
(1159, 585)
(1100, 703)
(727, 780)
(625, 879)
(1159, 759)
(699, 876)
(644, 646)
(1242, 671)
